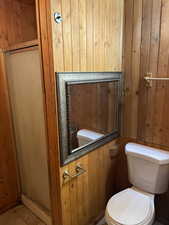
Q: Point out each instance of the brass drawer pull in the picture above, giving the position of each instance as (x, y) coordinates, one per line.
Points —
(68, 177)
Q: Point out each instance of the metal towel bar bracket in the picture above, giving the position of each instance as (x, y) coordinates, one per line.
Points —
(68, 177)
(149, 78)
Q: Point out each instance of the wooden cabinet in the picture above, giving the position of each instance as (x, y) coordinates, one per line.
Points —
(19, 39)
(9, 191)
(90, 36)
(84, 198)
(18, 22)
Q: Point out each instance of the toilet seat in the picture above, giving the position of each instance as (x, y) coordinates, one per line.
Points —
(130, 207)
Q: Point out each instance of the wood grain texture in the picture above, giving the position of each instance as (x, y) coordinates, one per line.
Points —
(18, 22)
(66, 48)
(26, 94)
(22, 45)
(87, 39)
(9, 189)
(85, 198)
(147, 50)
(50, 107)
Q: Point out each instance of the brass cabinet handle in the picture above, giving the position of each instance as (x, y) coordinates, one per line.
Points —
(68, 177)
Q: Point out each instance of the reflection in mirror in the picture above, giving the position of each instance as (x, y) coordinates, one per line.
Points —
(89, 110)
(92, 111)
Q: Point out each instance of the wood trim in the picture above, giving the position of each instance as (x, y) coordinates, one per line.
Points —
(44, 11)
(30, 48)
(96, 220)
(37, 210)
(22, 45)
(10, 206)
(8, 144)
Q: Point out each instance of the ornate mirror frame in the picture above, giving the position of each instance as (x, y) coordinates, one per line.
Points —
(64, 79)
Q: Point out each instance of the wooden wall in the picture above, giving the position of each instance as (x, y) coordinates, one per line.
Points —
(85, 198)
(9, 188)
(18, 22)
(90, 36)
(88, 40)
(147, 50)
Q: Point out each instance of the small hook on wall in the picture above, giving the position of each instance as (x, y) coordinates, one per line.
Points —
(148, 80)
(58, 17)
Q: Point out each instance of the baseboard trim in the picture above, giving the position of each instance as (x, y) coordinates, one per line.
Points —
(10, 206)
(37, 210)
(97, 219)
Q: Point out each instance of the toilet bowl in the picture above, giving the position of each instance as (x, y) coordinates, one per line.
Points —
(130, 207)
(148, 170)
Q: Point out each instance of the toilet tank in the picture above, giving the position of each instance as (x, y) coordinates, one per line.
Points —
(148, 168)
(87, 136)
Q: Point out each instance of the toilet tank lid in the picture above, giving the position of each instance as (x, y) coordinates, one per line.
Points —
(89, 134)
(148, 153)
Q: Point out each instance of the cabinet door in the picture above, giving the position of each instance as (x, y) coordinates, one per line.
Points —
(90, 36)
(26, 93)
(8, 171)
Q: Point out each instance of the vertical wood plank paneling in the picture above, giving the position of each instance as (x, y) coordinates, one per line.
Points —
(151, 35)
(144, 65)
(67, 40)
(135, 67)
(75, 15)
(163, 72)
(127, 116)
(93, 189)
(82, 193)
(95, 35)
(82, 33)
(152, 121)
(116, 37)
(86, 206)
(108, 35)
(85, 198)
(106, 29)
(92, 35)
(65, 196)
(102, 23)
(113, 40)
(58, 46)
(153, 67)
(73, 195)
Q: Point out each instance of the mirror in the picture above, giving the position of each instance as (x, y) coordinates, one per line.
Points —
(89, 111)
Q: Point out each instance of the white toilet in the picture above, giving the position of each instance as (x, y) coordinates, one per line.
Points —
(149, 173)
